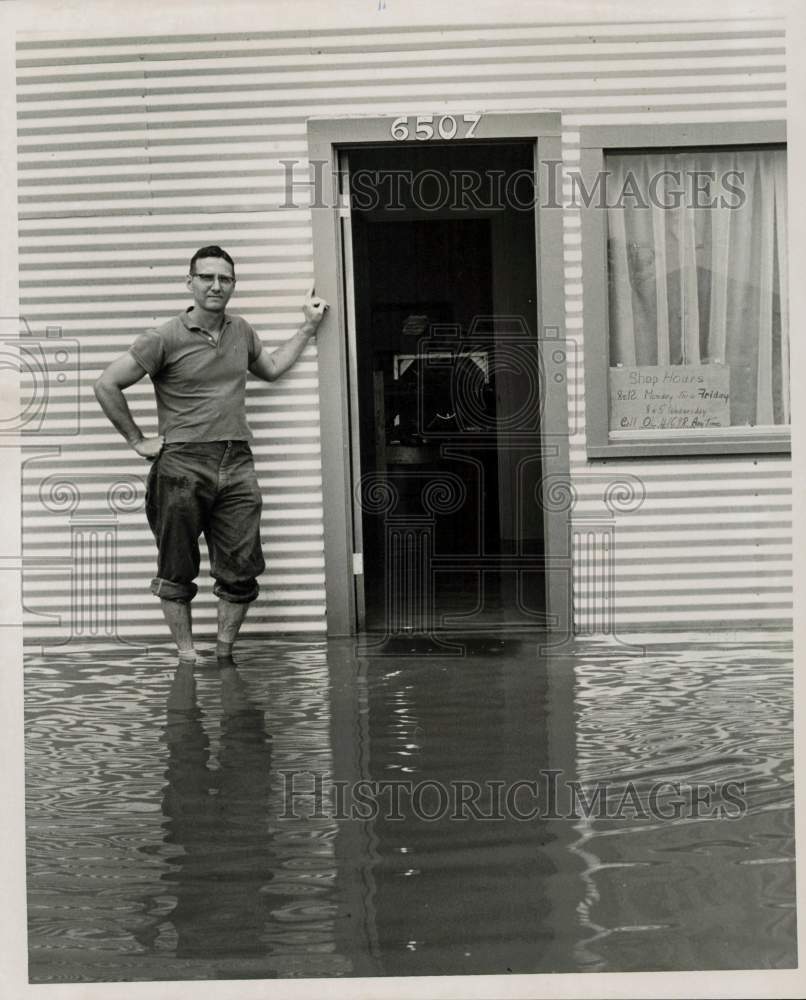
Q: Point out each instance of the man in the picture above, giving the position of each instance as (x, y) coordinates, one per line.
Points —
(202, 478)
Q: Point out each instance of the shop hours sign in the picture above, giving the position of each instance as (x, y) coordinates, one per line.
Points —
(669, 397)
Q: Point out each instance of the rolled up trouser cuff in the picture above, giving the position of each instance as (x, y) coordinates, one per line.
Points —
(237, 593)
(167, 590)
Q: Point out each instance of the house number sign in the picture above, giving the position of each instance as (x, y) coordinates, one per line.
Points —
(425, 127)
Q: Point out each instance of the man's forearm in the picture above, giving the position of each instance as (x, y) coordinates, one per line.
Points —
(286, 355)
(114, 405)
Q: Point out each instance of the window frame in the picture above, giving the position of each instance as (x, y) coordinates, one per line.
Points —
(596, 141)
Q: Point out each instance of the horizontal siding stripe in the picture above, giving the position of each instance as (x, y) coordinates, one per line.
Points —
(258, 79)
(33, 548)
(135, 613)
(685, 472)
(190, 129)
(741, 573)
(706, 616)
(38, 635)
(142, 316)
(727, 520)
(287, 392)
(264, 321)
(62, 397)
(707, 602)
(669, 561)
(700, 468)
(277, 502)
(245, 153)
(313, 600)
(138, 185)
(302, 537)
(283, 587)
(143, 561)
(303, 440)
(280, 283)
(427, 41)
(762, 111)
(161, 116)
(302, 424)
(276, 483)
(742, 612)
(626, 29)
(74, 103)
(121, 213)
(56, 640)
(671, 551)
(179, 178)
(725, 513)
(57, 252)
(735, 488)
(108, 273)
(50, 575)
(563, 68)
(780, 585)
(288, 227)
(652, 494)
(108, 263)
(635, 535)
(73, 120)
(113, 141)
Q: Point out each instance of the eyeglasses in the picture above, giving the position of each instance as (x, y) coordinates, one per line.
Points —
(207, 279)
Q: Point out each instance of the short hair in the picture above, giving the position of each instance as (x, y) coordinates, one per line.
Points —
(212, 251)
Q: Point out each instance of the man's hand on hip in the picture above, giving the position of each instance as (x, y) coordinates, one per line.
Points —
(149, 447)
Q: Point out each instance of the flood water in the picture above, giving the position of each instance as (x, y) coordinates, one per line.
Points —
(206, 823)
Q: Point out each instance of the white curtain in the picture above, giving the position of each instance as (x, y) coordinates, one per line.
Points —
(691, 284)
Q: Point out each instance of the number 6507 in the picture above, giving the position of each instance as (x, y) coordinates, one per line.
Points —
(433, 126)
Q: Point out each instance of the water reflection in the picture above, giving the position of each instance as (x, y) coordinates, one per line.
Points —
(161, 844)
(216, 818)
(469, 890)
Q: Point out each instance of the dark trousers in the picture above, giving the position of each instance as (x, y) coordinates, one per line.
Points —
(209, 488)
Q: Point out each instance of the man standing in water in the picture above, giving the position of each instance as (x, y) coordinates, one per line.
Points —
(202, 478)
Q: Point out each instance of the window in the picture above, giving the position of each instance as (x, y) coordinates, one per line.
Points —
(686, 333)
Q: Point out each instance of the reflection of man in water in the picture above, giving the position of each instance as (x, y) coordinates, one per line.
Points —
(217, 818)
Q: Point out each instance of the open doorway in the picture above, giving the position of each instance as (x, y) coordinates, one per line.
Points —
(448, 394)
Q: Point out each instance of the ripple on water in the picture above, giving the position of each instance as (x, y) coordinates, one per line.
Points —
(159, 845)
(696, 716)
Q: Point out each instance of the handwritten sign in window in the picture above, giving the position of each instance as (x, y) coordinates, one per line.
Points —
(669, 397)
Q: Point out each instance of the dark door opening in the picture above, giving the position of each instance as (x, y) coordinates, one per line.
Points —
(448, 386)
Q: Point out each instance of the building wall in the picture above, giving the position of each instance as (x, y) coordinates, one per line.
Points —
(134, 150)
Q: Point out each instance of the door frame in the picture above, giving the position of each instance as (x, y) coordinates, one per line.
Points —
(326, 137)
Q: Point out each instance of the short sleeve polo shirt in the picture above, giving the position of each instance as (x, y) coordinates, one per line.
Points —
(200, 385)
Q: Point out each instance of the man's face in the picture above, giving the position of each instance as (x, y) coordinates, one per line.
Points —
(212, 283)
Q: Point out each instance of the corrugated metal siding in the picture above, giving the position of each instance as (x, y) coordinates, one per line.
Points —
(133, 151)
